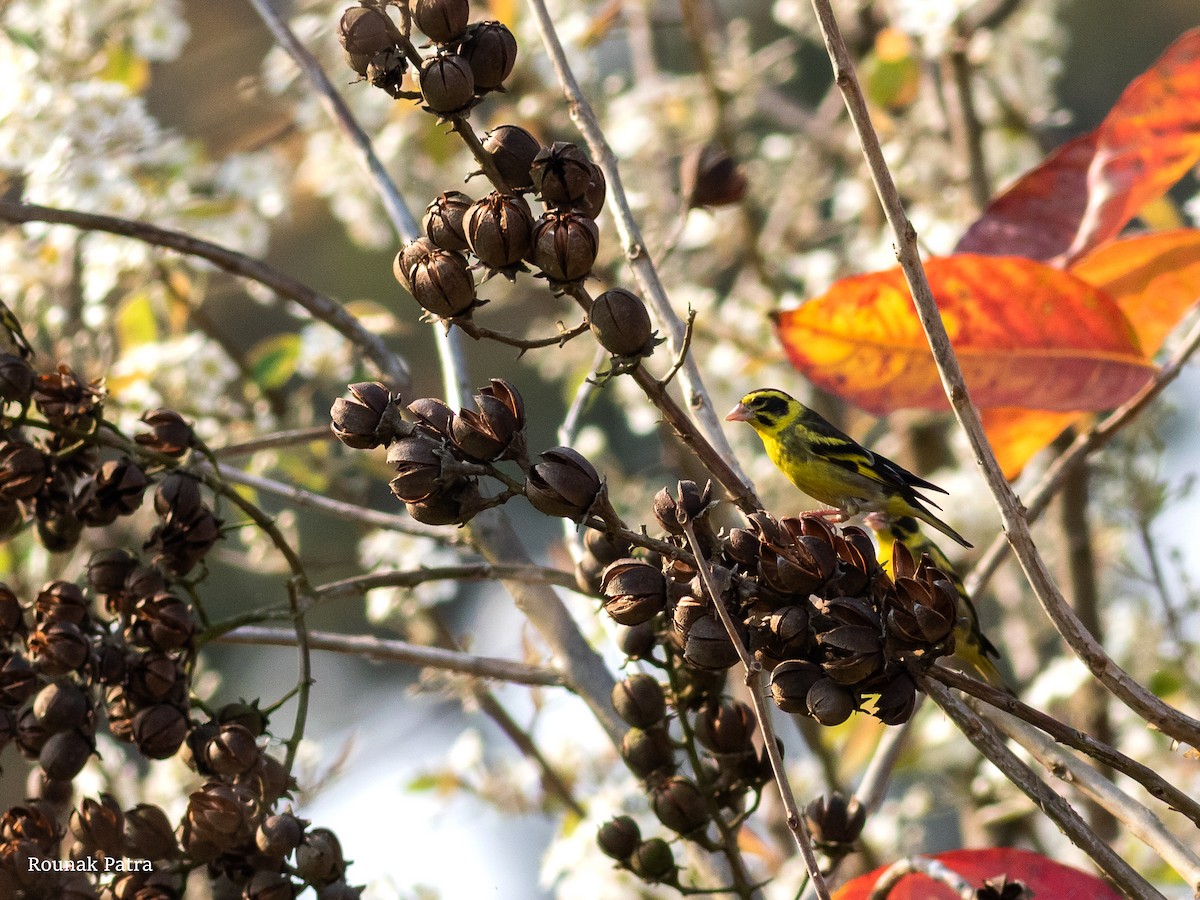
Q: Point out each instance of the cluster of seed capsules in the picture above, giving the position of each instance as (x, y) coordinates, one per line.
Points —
(118, 653)
(808, 599)
(497, 233)
(440, 455)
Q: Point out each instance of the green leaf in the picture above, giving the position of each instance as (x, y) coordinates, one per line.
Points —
(273, 360)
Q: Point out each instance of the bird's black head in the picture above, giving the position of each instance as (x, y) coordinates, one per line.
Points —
(766, 408)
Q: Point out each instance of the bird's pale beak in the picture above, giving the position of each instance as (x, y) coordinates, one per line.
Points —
(739, 413)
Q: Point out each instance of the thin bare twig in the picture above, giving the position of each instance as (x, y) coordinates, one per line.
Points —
(359, 584)
(698, 399)
(1138, 820)
(319, 306)
(275, 440)
(985, 738)
(762, 712)
(368, 647)
(1126, 688)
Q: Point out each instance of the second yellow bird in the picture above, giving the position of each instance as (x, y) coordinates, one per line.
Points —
(831, 466)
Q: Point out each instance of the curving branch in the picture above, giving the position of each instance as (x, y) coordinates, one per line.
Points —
(1119, 682)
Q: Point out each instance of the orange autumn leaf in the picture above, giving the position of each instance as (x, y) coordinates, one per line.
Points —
(1155, 279)
(1044, 877)
(1083, 194)
(1025, 335)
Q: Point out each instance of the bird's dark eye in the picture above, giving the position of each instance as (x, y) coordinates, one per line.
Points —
(770, 407)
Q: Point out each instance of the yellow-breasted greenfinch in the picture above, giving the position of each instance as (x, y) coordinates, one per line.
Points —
(831, 466)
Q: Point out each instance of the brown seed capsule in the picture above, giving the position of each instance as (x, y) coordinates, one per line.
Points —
(62, 706)
(619, 837)
(231, 751)
(726, 727)
(923, 612)
(365, 30)
(169, 434)
(513, 150)
(58, 648)
(711, 177)
(99, 825)
(267, 884)
(565, 245)
(647, 751)
(447, 85)
(12, 616)
(371, 419)
(443, 221)
(18, 681)
(491, 50)
(16, 380)
(455, 504)
(152, 677)
(829, 703)
(439, 280)
(639, 700)
(442, 20)
(23, 470)
(897, 700)
(178, 544)
(64, 755)
(653, 861)
(833, 819)
(635, 591)
(418, 468)
(433, 414)
(561, 174)
(114, 490)
(591, 204)
(619, 320)
(563, 484)
(65, 399)
(149, 833)
(708, 645)
(319, 858)
(280, 834)
(61, 601)
(499, 228)
(680, 805)
(163, 621)
(790, 683)
(220, 815)
(638, 641)
(120, 709)
(489, 433)
(159, 730)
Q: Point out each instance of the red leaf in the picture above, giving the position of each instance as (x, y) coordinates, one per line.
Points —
(1089, 189)
(1044, 877)
(1025, 335)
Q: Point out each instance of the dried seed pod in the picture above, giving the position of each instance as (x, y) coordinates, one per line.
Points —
(434, 414)
(491, 50)
(61, 601)
(369, 420)
(163, 621)
(178, 543)
(248, 715)
(897, 700)
(220, 815)
(638, 641)
(499, 228)
(23, 469)
(64, 755)
(178, 494)
(439, 280)
(58, 648)
(647, 751)
(455, 504)
(231, 751)
(418, 468)
(565, 245)
(319, 858)
(513, 150)
(149, 833)
(563, 484)
(708, 645)
(115, 489)
(923, 613)
(365, 30)
(653, 861)
(639, 700)
(447, 85)
(727, 727)
(169, 434)
(829, 703)
(16, 380)
(494, 432)
(790, 683)
(679, 804)
(635, 591)
(835, 821)
(711, 177)
(443, 221)
(619, 837)
(591, 204)
(280, 834)
(99, 825)
(561, 174)
(687, 610)
(620, 322)
(159, 730)
(62, 706)
(442, 20)
(66, 399)
(12, 615)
